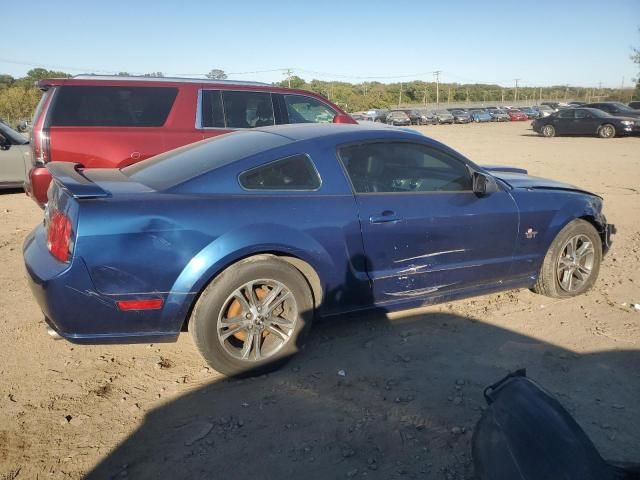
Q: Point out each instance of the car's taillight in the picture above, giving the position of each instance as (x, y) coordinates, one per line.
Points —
(59, 236)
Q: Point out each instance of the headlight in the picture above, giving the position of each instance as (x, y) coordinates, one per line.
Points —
(627, 122)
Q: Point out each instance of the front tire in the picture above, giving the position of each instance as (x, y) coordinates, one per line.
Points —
(607, 131)
(548, 131)
(572, 263)
(252, 317)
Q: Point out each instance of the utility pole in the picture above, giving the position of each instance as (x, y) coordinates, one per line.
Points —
(515, 94)
(502, 95)
(566, 92)
(426, 93)
(288, 73)
(437, 75)
(400, 97)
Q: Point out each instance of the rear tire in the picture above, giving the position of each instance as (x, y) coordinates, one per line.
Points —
(239, 328)
(572, 263)
(548, 131)
(607, 131)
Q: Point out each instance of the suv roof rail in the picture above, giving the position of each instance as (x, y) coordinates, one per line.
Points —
(127, 78)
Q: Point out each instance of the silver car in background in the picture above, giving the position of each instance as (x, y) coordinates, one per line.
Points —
(14, 151)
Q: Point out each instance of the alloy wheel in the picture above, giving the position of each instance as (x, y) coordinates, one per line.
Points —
(575, 263)
(257, 320)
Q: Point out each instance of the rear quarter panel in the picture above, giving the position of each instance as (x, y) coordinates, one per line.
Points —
(174, 244)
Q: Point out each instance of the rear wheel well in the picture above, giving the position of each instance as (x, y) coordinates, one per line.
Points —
(307, 271)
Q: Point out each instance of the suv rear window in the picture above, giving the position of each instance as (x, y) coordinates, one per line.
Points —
(76, 106)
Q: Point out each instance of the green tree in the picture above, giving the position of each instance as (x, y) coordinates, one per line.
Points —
(216, 74)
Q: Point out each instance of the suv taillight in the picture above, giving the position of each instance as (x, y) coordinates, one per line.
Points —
(40, 141)
(59, 233)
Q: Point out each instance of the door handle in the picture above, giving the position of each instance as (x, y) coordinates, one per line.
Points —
(387, 217)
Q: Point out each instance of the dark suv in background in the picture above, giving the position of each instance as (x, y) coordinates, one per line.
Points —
(117, 121)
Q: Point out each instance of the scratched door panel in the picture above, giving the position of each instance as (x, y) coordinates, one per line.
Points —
(436, 241)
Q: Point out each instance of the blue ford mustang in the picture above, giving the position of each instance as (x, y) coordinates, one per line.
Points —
(244, 238)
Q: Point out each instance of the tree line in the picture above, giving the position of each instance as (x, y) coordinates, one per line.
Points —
(19, 96)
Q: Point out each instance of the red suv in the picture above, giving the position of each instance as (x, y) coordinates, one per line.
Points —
(116, 121)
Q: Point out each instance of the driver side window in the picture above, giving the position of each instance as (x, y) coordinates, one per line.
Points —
(399, 167)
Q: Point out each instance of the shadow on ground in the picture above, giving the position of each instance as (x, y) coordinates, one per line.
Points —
(406, 407)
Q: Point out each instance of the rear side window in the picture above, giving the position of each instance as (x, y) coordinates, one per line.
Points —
(303, 109)
(292, 173)
(112, 106)
(236, 109)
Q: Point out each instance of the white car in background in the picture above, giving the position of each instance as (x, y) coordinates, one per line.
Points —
(14, 152)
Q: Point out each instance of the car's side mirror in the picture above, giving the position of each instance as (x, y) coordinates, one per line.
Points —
(484, 184)
(4, 143)
(342, 118)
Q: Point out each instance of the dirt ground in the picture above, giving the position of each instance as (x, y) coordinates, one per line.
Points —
(412, 389)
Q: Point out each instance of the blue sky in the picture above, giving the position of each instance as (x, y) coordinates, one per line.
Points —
(541, 42)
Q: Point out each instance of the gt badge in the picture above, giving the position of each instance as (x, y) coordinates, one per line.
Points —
(531, 233)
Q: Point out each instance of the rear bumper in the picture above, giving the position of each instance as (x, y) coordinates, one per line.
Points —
(37, 184)
(73, 307)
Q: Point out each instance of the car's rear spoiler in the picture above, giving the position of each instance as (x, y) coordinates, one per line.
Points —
(69, 176)
(500, 168)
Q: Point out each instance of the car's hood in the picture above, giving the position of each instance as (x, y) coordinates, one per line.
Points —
(519, 179)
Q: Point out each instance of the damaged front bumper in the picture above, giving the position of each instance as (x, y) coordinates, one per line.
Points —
(609, 230)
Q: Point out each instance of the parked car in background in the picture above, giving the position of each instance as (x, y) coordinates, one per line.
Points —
(14, 151)
(552, 105)
(115, 121)
(516, 115)
(634, 105)
(530, 112)
(398, 118)
(378, 115)
(443, 116)
(427, 118)
(498, 115)
(460, 115)
(360, 116)
(480, 115)
(23, 126)
(544, 110)
(615, 108)
(139, 253)
(416, 117)
(577, 104)
(585, 121)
